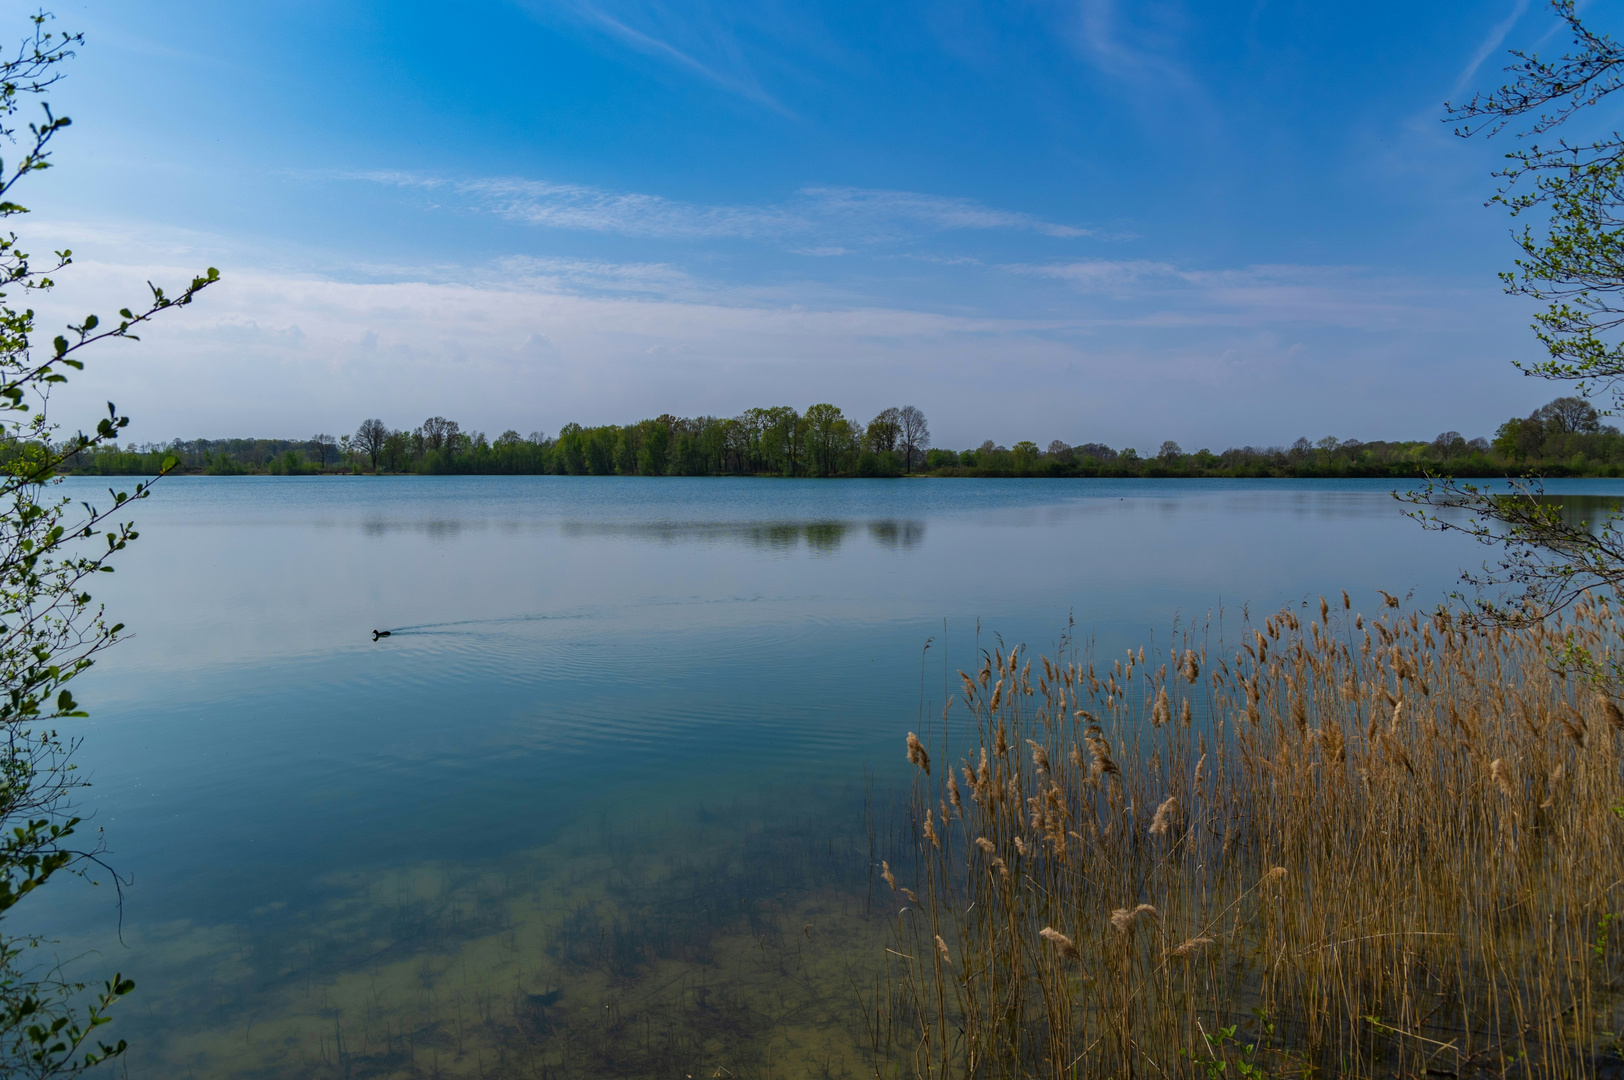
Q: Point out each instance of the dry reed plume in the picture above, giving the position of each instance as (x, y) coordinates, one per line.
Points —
(1396, 843)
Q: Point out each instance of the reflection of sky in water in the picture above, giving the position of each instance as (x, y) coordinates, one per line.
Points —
(608, 655)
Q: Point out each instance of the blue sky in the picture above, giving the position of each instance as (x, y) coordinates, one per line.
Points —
(1215, 223)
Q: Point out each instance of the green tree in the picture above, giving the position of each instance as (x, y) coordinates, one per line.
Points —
(695, 445)
(1509, 440)
(1569, 194)
(656, 444)
(626, 445)
(783, 437)
(600, 450)
(50, 628)
(744, 441)
(828, 439)
(715, 432)
(884, 431)
(571, 449)
(396, 451)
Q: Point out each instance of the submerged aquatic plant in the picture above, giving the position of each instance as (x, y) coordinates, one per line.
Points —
(1388, 846)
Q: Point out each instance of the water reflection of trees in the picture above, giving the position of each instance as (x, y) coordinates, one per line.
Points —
(438, 528)
(820, 537)
(825, 537)
(1590, 510)
(897, 534)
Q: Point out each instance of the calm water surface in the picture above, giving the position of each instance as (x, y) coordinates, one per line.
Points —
(596, 806)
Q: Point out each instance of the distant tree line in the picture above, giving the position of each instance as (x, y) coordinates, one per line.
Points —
(1563, 438)
(778, 441)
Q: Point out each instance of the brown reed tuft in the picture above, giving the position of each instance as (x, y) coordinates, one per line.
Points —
(1122, 919)
(1040, 758)
(1500, 773)
(1164, 816)
(1341, 843)
(1101, 751)
(1610, 710)
(1190, 946)
(916, 753)
(1553, 782)
(1062, 944)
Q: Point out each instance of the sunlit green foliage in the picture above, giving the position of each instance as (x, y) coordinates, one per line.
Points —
(1573, 262)
(50, 628)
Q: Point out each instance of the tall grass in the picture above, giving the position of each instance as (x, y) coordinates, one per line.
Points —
(1350, 847)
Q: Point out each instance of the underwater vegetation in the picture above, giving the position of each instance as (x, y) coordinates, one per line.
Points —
(1356, 847)
(726, 943)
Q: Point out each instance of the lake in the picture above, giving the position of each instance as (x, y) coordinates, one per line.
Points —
(605, 801)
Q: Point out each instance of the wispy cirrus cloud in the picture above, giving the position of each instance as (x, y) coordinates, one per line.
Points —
(573, 206)
(739, 80)
(726, 46)
(1129, 50)
(939, 212)
(1146, 50)
(820, 219)
(1491, 41)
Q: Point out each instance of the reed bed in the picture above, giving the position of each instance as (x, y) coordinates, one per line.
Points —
(1351, 847)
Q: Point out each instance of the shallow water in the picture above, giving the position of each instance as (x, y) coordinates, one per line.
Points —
(597, 805)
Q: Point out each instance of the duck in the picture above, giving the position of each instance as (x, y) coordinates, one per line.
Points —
(376, 634)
